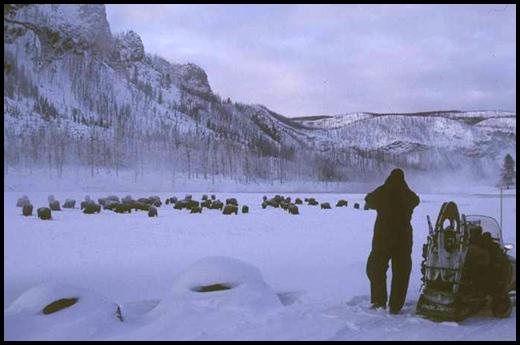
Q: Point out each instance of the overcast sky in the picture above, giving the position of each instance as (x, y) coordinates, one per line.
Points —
(332, 59)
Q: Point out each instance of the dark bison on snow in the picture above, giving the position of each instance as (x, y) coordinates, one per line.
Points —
(325, 205)
(232, 201)
(91, 208)
(27, 210)
(196, 209)
(217, 205)
(152, 212)
(69, 203)
(342, 203)
(293, 209)
(24, 200)
(312, 202)
(55, 205)
(44, 213)
(230, 209)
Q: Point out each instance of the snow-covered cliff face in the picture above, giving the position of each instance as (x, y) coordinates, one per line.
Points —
(105, 102)
(64, 28)
(130, 47)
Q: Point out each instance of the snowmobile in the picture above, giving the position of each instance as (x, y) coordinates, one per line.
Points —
(465, 266)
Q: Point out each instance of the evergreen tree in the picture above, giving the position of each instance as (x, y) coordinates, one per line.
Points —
(508, 171)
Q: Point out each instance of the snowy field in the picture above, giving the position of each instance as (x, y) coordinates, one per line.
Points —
(299, 277)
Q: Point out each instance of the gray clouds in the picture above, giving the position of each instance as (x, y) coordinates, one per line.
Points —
(330, 59)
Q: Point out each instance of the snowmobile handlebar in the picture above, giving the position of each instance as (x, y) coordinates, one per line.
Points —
(430, 227)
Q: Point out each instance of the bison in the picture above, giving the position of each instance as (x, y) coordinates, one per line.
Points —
(27, 210)
(298, 201)
(69, 203)
(204, 197)
(127, 199)
(356, 205)
(245, 209)
(325, 205)
(312, 202)
(113, 197)
(192, 203)
(232, 201)
(44, 213)
(136, 205)
(55, 205)
(293, 209)
(206, 203)
(155, 200)
(272, 203)
(171, 200)
(217, 205)
(342, 203)
(229, 209)
(179, 205)
(145, 200)
(123, 208)
(213, 197)
(196, 209)
(91, 207)
(111, 205)
(24, 200)
(264, 205)
(152, 212)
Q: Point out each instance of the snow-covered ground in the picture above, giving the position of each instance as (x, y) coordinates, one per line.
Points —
(296, 277)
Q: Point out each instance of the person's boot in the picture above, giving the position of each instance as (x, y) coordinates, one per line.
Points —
(394, 311)
(377, 306)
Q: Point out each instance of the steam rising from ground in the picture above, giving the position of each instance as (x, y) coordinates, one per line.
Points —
(465, 182)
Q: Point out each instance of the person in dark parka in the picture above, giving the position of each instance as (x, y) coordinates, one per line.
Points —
(394, 202)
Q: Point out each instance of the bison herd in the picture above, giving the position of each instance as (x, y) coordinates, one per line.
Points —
(128, 204)
(150, 205)
(279, 201)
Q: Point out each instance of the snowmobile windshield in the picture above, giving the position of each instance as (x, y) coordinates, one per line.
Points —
(488, 224)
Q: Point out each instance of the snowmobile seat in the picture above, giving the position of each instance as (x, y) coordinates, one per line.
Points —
(450, 239)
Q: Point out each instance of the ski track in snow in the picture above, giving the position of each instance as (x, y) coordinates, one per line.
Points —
(315, 262)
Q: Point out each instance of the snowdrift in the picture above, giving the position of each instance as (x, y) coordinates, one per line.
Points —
(243, 282)
(88, 318)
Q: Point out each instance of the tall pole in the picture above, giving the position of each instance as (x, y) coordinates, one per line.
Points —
(501, 208)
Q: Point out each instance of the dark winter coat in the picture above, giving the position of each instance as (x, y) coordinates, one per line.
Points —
(394, 202)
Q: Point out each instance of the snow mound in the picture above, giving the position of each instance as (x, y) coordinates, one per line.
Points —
(243, 283)
(88, 317)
